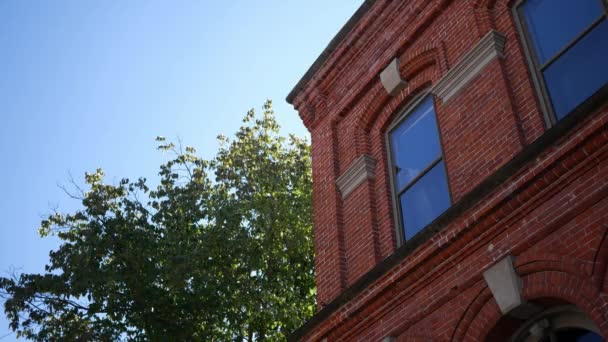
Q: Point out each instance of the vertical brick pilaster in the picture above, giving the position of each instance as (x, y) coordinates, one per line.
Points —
(330, 262)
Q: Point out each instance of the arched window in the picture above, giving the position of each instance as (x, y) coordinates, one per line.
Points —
(418, 169)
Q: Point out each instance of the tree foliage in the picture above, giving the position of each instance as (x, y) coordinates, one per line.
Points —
(220, 250)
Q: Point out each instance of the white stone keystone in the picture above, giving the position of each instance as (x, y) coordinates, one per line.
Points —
(391, 79)
(505, 284)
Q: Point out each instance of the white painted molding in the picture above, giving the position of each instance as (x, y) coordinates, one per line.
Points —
(391, 78)
(505, 285)
(360, 170)
(488, 48)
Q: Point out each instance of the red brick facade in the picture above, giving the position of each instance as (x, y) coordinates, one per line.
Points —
(520, 186)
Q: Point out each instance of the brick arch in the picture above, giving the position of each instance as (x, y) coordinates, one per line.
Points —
(562, 271)
(379, 100)
(539, 262)
(484, 14)
(381, 110)
(563, 286)
(600, 263)
(479, 302)
(578, 291)
(597, 271)
(416, 87)
(428, 56)
(482, 323)
(420, 69)
(383, 116)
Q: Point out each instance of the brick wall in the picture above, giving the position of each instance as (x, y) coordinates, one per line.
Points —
(519, 187)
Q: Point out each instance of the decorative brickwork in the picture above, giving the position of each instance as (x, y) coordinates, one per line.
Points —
(519, 186)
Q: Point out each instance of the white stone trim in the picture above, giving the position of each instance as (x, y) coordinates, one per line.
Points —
(489, 47)
(505, 284)
(360, 170)
(391, 78)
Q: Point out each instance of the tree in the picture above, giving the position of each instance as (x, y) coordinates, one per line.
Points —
(220, 250)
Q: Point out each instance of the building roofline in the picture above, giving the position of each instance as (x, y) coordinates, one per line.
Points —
(329, 49)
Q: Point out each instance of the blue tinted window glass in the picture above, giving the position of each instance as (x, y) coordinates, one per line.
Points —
(590, 337)
(580, 72)
(425, 200)
(415, 143)
(554, 23)
(575, 335)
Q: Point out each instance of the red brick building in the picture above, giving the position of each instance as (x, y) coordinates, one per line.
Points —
(460, 167)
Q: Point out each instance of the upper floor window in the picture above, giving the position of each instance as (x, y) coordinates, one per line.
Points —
(419, 173)
(569, 43)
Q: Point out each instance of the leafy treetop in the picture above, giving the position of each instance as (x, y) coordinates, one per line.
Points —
(219, 250)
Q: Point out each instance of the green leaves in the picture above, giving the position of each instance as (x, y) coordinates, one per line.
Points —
(218, 250)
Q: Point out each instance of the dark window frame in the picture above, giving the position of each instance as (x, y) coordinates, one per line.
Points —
(536, 68)
(404, 113)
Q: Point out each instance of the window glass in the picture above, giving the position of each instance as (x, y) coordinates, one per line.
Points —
(425, 200)
(573, 335)
(415, 143)
(552, 24)
(580, 72)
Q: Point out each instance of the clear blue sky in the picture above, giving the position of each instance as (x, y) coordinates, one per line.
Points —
(87, 84)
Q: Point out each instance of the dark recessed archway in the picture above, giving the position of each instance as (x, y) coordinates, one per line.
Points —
(555, 322)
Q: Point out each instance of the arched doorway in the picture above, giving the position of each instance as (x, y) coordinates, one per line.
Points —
(559, 324)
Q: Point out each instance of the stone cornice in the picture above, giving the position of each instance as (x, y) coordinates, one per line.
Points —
(360, 170)
(489, 47)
